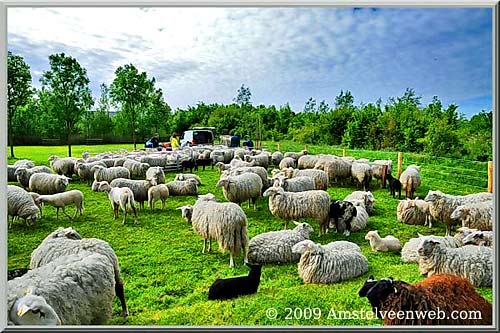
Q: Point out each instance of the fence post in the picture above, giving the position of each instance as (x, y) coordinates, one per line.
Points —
(400, 163)
(490, 176)
(305, 147)
(259, 145)
(384, 174)
(279, 147)
(343, 152)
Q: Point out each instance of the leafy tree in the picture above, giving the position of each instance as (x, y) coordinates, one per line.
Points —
(243, 96)
(157, 113)
(67, 91)
(19, 91)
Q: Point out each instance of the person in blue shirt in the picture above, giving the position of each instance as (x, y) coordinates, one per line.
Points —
(235, 140)
(248, 143)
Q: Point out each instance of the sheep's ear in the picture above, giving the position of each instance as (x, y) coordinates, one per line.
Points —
(296, 223)
(420, 235)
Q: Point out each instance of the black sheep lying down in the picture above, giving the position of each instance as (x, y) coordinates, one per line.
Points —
(223, 289)
(342, 211)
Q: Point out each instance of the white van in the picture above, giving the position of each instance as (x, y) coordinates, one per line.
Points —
(198, 136)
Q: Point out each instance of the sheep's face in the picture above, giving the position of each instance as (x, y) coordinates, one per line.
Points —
(180, 176)
(33, 310)
(187, 212)
(303, 227)
(222, 182)
(103, 187)
(427, 246)
(379, 292)
(207, 197)
(31, 220)
(475, 238)
(371, 235)
(367, 286)
(459, 212)
(21, 172)
(273, 191)
(433, 196)
(52, 158)
(303, 246)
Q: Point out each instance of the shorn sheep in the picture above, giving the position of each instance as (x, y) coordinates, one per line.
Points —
(44, 183)
(119, 197)
(297, 205)
(157, 193)
(410, 180)
(320, 265)
(139, 188)
(478, 215)
(224, 222)
(20, 203)
(238, 189)
(445, 294)
(379, 244)
(276, 246)
(66, 241)
(61, 200)
(182, 187)
(472, 262)
(23, 174)
(223, 289)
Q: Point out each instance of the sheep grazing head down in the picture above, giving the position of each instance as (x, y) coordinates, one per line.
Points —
(31, 309)
(187, 212)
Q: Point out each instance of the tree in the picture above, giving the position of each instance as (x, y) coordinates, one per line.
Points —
(243, 97)
(67, 89)
(19, 91)
(157, 113)
(131, 90)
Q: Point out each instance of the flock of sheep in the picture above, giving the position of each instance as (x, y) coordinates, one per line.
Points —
(296, 189)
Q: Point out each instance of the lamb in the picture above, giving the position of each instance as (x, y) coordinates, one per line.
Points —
(67, 241)
(366, 198)
(186, 176)
(139, 188)
(276, 158)
(320, 265)
(394, 185)
(63, 166)
(415, 212)
(20, 203)
(442, 205)
(297, 184)
(293, 206)
(307, 161)
(77, 289)
(479, 237)
(471, 262)
(258, 160)
(295, 155)
(478, 215)
(155, 193)
(238, 189)
(222, 167)
(119, 197)
(410, 180)
(388, 243)
(320, 177)
(44, 183)
(342, 213)
(286, 162)
(442, 293)
(276, 246)
(61, 200)
(184, 187)
(223, 289)
(362, 174)
(225, 222)
(84, 170)
(157, 173)
(137, 169)
(109, 174)
(23, 174)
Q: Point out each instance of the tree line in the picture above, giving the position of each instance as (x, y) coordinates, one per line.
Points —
(132, 108)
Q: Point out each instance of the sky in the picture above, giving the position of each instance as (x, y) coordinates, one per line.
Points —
(285, 55)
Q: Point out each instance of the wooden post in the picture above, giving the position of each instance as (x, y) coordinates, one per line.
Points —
(343, 152)
(279, 147)
(490, 176)
(305, 147)
(400, 163)
(259, 144)
(384, 175)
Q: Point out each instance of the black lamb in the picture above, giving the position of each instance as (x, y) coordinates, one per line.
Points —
(189, 164)
(203, 162)
(12, 274)
(342, 211)
(394, 185)
(223, 289)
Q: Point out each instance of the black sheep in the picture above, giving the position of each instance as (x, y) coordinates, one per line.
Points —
(204, 162)
(342, 211)
(12, 274)
(223, 289)
(367, 286)
(394, 185)
(189, 164)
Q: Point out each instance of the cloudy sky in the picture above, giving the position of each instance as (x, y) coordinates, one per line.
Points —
(282, 54)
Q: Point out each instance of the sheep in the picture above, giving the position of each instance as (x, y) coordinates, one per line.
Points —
(238, 189)
(477, 215)
(15, 273)
(338, 170)
(362, 174)
(223, 289)
(394, 186)
(119, 161)
(378, 166)
(11, 170)
(63, 166)
(415, 212)
(67, 241)
(137, 169)
(28, 164)
(361, 220)
(76, 289)
(295, 205)
(344, 246)
(479, 237)
(297, 184)
(295, 155)
(469, 261)
(154, 160)
(119, 197)
(258, 160)
(225, 222)
(388, 243)
(276, 158)
(155, 193)
(442, 205)
(109, 174)
(258, 170)
(83, 170)
(367, 199)
(342, 213)
(157, 173)
(61, 200)
(23, 174)
(442, 293)
(95, 185)
(323, 159)
(222, 167)
(44, 183)
(184, 187)
(307, 162)
(20, 203)
(276, 246)
(109, 162)
(139, 188)
(186, 176)
(410, 180)
(320, 177)
(286, 162)
(320, 265)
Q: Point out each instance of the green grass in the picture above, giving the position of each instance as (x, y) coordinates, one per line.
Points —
(167, 277)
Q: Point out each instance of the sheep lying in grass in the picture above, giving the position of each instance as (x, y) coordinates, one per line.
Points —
(238, 189)
(186, 176)
(478, 215)
(416, 212)
(61, 200)
(139, 188)
(479, 237)
(182, 187)
(23, 174)
(410, 180)
(44, 183)
(20, 203)
(379, 244)
(15, 273)
(367, 200)
(276, 246)
(156, 193)
(119, 197)
(223, 289)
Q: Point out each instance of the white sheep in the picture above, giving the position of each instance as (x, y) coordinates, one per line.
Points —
(410, 180)
(139, 188)
(84, 170)
(415, 212)
(366, 199)
(286, 162)
(258, 170)
(23, 174)
(307, 161)
(137, 169)
(186, 176)
(238, 189)
(119, 197)
(362, 174)
(258, 160)
(361, 220)
(63, 166)
(109, 174)
(28, 164)
(95, 185)
(379, 244)
(184, 187)
(156, 193)
(338, 170)
(44, 183)
(276, 158)
(61, 200)
(320, 177)
(297, 184)
(295, 155)
(378, 166)
(478, 215)
(479, 237)
(157, 173)
(20, 203)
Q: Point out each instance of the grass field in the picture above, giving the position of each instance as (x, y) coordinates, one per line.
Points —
(167, 277)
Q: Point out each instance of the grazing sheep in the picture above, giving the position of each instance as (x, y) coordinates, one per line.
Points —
(119, 197)
(295, 155)
(63, 166)
(139, 188)
(394, 186)
(296, 205)
(415, 212)
(44, 183)
(410, 180)
(15, 273)
(109, 174)
(286, 162)
(276, 158)
(320, 177)
(362, 174)
(297, 184)
(137, 169)
(342, 213)
(478, 215)
(23, 174)
(442, 293)
(155, 193)
(379, 244)
(186, 176)
(338, 170)
(157, 173)
(224, 222)
(20, 203)
(61, 200)
(442, 205)
(366, 198)
(480, 238)
(238, 189)
(84, 170)
(258, 160)
(276, 246)
(320, 265)
(469, 261)
(258, 170)
(184, 187)
(307, 161)
(223, 289)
